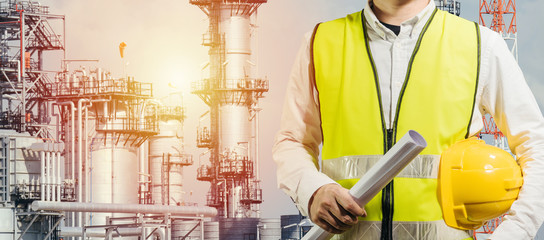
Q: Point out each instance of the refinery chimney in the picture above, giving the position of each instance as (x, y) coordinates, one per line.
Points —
(232, 93)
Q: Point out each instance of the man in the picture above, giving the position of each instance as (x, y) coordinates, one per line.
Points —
(360, 82)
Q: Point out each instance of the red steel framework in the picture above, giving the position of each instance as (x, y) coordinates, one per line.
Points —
(503, 20)
(500, 11)
(502, 15)
(491, 128)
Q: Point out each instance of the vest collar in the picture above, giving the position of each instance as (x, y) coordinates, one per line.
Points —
(411, 27)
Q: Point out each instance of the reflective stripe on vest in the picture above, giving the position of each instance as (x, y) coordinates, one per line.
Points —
(437, 100)
(436, 230)
(414, 184)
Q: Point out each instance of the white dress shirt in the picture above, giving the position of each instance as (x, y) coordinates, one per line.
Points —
(502, 92)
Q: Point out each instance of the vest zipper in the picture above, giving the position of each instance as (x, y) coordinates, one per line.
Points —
(389, 138)
(387, 192)
(387, 198)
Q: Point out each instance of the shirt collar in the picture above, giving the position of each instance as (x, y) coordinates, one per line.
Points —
(412, 26)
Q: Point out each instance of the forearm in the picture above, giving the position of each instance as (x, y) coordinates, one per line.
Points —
(296, 147)
(297, 173)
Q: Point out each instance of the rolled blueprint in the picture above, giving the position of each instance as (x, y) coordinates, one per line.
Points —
(389, 166)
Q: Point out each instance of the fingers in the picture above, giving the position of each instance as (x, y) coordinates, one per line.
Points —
(334, 209)
(329, 228)
(348, 204)
(341, 215)
(330, 223)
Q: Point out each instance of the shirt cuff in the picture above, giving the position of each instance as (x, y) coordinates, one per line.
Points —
(309, 183)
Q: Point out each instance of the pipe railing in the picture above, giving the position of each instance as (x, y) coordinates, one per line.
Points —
(187, 211)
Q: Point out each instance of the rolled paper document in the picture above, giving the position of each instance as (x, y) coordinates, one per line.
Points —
(370, 184)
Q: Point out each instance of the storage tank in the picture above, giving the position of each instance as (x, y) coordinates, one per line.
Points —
(113, 165)
(238, 228)
(114, 176)
(211, 230)
(270, 229)
(189, 230)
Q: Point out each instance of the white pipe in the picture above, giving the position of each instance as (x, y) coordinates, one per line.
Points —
(141, 150)
(42, 175)
(80, 152)
(188, 211)
(86, 171)
(57, 116)
(72, 145)
(48, 177)
(59, 176)
(398, 157)
(96, 232)
(72, 139)
(257, 174)
(53, 176)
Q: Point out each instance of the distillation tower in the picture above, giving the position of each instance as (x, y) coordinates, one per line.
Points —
(232, 93)
(167, 157)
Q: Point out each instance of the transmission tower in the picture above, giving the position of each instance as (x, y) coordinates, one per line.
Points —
(500, 16)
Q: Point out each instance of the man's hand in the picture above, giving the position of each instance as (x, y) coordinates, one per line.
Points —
(334, 209)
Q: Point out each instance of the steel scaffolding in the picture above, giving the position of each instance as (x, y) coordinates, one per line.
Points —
(27, 31)
(503, 20)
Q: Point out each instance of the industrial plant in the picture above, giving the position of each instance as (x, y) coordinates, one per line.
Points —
(86, 154)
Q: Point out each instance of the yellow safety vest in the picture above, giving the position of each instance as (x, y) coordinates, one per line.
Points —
(437, 100)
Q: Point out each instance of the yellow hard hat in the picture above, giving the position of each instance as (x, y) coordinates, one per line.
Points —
(476, 183)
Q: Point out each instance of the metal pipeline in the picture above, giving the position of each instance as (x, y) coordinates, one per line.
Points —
(49, 154)
(398, 157)
(42, 176)
(141, 150)
(53, 176)
(48, 176)
(86, 171)
(72, 139)
(59, 177)
(80, 152)
(186, 211)
(72, 144)
(100, 233)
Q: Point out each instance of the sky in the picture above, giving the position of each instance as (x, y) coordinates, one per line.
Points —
(164, 39)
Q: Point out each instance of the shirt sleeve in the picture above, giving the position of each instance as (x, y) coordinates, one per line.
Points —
(507, 97)
(296, 146)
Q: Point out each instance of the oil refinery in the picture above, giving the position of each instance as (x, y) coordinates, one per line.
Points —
(85, 154)
(88, 154)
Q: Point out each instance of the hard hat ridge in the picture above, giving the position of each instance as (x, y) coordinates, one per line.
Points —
(476, 183)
